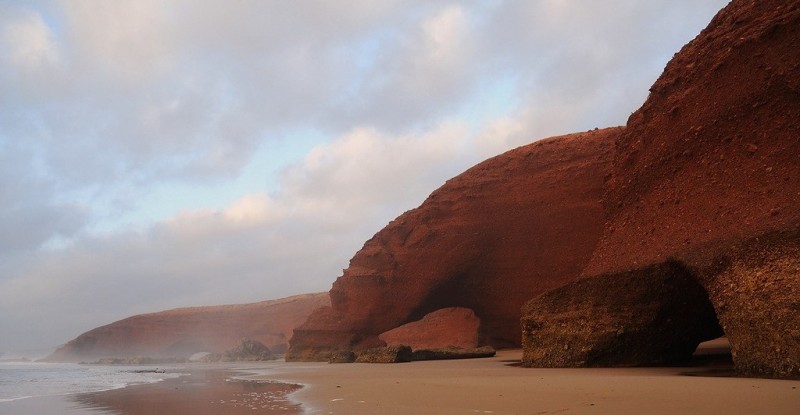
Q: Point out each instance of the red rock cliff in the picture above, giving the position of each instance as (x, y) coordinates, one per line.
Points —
(713, 156)
(707, 173)
(184, 331)
(491, 238)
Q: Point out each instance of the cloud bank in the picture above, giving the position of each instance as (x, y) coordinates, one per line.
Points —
(164, 154)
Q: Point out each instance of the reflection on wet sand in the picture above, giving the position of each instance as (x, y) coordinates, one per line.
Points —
(201, 392)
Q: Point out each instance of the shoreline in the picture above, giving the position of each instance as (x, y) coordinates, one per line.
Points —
(496, 386)
(205, 390)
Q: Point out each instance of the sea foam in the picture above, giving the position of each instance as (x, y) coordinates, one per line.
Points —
(20, 380)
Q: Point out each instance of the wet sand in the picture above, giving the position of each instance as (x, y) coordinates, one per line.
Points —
(205, 391)
(496, 386)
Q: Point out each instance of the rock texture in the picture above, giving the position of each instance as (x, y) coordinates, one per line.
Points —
(708, 168)
(185, 331)
(489, 239)
(450, 353)
(712, 155)
(657, 315)
(390, 354)
(707, 173)
(449, 327)
(342, 356)
(755, 288)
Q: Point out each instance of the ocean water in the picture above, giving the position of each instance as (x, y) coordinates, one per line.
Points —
(32, 379)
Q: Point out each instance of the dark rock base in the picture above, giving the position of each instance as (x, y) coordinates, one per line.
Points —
(653, 316)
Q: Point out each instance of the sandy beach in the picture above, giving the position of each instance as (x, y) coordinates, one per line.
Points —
(497, 386)
(474, 386)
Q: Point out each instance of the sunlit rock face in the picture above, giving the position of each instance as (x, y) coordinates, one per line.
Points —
(185, 331)
(488, 240)
(708, 172)
(712, 155)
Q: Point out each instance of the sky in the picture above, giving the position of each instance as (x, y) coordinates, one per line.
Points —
(161, 154)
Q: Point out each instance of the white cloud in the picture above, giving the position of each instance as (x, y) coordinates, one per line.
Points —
(364, 168)
(124, 41)
(432, 66)
(29, 42)
(249, 210)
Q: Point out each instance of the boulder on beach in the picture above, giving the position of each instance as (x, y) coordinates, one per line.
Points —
(449, 353)
(456, 327)
(388, 354)
(342, 356)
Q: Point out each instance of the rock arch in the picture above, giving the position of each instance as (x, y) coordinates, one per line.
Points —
(650, 316)
(755, 289)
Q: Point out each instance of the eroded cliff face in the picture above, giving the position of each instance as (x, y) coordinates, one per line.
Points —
(707, 173)
(184, 331)
(713, 155)
(488, 240)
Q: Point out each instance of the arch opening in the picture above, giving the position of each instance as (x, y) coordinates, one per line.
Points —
(655, 315)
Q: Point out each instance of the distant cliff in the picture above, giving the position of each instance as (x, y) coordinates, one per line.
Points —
(184, 331)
